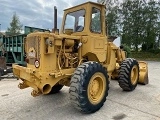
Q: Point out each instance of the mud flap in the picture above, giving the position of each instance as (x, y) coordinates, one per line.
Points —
(143, 73)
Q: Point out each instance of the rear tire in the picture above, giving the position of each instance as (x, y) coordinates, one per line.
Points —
(89, 87)
(0, 73)
(129, 74)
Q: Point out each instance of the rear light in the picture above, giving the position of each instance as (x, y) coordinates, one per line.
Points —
(36, 63)
(27, 60)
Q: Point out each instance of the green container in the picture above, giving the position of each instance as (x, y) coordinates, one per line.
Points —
(28, 29)
(14, 45)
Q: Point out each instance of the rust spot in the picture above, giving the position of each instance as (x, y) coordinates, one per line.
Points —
(119, 116)
(28, 110)
(4, 95)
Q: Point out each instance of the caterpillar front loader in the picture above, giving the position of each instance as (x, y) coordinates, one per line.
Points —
(81, 57)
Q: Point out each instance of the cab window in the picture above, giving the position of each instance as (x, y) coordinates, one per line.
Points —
(75, 21)
(95, 20)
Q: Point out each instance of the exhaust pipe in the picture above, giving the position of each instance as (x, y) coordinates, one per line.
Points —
(55, 17)
(55, 30)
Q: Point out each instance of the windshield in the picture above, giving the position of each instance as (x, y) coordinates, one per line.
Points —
(75, 21)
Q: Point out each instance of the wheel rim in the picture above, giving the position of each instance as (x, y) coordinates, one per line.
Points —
(134, 74)
(96, 88)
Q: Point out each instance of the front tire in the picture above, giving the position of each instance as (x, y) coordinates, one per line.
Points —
(89, 87)
(129, 74)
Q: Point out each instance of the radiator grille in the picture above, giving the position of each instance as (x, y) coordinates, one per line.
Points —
(33, 42)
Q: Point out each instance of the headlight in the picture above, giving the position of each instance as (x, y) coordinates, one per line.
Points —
(36, 63)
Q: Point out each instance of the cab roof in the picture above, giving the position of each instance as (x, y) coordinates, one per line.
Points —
(84, 4)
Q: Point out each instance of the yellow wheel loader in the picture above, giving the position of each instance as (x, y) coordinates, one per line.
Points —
(80, 56)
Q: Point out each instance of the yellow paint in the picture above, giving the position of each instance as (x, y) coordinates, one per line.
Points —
(59, 54)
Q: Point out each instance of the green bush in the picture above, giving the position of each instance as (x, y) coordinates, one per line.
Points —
(156, 51)
(146, 56)
(127, 49)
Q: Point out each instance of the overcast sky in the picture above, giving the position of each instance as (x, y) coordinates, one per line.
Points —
(34, 13)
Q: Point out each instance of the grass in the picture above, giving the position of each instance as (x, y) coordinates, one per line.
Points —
(147, 56)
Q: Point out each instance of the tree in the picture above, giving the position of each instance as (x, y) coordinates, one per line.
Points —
(133, 22)
(151, 27)
(113, 21)
(112, 16)
(137, 21)
(15, 25)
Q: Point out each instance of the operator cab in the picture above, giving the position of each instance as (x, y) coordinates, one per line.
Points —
(84, 19)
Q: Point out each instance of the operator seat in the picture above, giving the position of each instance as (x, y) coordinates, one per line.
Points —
(79, 28)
